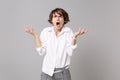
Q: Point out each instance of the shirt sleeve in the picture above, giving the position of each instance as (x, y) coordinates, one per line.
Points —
(70, 47)
(42, 50)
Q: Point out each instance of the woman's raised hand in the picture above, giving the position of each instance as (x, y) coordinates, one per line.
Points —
(29, 29)
(81, 31)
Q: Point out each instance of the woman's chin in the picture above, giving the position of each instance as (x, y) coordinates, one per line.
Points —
(58, 27)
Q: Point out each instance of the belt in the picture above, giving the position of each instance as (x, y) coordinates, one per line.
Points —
(60, 69)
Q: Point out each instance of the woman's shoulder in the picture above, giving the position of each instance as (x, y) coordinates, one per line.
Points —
(67, 29)
(46, 29)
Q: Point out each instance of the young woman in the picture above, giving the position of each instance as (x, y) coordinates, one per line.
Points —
(57, 44)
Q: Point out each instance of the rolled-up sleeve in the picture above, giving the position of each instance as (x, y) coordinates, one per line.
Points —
(42, 50)
(70, 47)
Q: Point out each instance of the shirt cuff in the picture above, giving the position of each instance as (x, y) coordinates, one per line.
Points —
(38, 49)
(74, 46)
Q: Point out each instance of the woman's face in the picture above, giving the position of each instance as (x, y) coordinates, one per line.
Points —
(58, 21)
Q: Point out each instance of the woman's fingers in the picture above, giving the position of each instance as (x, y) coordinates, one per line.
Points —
(82, 31)
(29, 29)
(86, 30)
(26, 29)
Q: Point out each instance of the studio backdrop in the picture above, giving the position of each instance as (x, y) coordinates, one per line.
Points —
(97, 56)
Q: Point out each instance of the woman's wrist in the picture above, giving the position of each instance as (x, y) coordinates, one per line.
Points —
(74, 37)
(35, 35)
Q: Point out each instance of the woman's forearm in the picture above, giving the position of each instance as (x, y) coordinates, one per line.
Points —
(37, 41)
(32, 32)
(74, 41)
(78, 33)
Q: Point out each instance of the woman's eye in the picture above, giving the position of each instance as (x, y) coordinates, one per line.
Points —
(60, 16)
(55, 16)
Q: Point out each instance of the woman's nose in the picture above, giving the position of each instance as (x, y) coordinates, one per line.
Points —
(57, 18)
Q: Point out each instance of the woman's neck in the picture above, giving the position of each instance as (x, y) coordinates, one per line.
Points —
(57, 31)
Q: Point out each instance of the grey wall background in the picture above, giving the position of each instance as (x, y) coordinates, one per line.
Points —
(97, 56)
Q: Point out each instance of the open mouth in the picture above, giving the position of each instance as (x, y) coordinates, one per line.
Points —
(57, 23)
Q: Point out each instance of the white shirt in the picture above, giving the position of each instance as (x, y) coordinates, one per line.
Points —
(57, 50)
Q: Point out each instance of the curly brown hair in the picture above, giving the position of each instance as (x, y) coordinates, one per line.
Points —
(61, 12)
